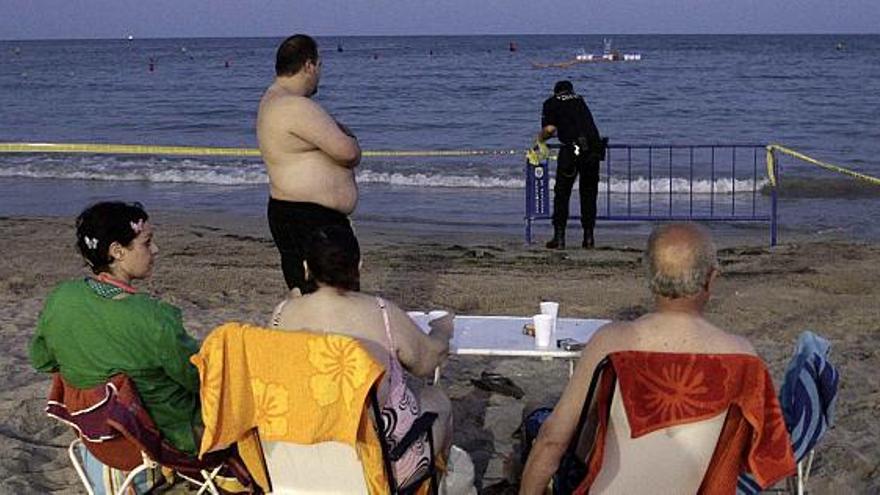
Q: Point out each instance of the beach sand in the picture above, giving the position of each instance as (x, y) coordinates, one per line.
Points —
(217, 271)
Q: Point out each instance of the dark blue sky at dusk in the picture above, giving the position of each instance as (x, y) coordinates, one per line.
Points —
(46, 19)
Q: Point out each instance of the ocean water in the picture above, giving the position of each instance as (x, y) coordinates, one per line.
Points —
(446, 93)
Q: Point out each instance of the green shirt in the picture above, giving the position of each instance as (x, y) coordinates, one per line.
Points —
(88, 338)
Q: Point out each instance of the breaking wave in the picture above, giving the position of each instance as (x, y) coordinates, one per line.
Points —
(244, 172)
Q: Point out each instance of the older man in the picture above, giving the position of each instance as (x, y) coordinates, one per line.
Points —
(309, 156)
(682, 266)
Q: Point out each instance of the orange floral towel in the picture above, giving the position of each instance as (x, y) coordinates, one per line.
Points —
(660, 390)
(296, 387)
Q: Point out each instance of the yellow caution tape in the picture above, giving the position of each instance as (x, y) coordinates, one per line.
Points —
(771, 166)
(134, 149)
(771, 160)
(407, 153)
(123, 149)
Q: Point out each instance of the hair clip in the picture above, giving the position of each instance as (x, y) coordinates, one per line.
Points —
(138, 226)
(91, 242)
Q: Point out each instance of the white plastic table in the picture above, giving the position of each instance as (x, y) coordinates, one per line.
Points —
(503, 336)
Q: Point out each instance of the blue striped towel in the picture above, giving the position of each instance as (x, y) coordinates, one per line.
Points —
(808, 397)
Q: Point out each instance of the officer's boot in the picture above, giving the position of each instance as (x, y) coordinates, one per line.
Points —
(558, 241)
(588, 240)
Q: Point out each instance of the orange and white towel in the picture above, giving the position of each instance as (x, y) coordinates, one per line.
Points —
(661, 390)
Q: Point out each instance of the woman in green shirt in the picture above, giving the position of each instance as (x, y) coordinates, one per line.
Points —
(94, 327)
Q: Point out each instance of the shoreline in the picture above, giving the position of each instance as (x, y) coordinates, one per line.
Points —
(218, 267)
(411, 212)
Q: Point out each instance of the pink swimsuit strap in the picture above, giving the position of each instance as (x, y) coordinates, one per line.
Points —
(388, 333)
(394, 368)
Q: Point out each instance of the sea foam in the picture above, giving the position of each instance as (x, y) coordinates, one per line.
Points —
(232, 173)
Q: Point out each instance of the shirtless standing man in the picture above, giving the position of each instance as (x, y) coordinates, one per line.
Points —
(309, 156)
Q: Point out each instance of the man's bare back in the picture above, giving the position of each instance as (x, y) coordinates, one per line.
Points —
(671, 332)
(309, 156)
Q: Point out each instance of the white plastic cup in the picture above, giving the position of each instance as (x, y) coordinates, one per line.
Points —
(543, 330)
(552, 309)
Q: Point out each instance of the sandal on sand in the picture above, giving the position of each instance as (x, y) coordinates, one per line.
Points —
(493, 382)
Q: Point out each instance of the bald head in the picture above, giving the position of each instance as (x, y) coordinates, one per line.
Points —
(680, 258)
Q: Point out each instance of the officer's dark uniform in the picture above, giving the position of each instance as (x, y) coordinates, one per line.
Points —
(581, 153)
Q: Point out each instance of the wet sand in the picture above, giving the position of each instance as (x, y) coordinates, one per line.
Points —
(217, 271)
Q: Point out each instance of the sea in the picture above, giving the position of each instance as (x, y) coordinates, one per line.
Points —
(817, 94)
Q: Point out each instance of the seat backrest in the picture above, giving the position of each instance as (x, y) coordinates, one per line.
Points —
(321, 468)
(118, 431)
(671, 460)
(808, 397)
(293, 402)
(694, 421)
(87, 412)
(809, 392)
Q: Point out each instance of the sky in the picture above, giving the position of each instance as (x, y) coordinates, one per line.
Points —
(53, 19)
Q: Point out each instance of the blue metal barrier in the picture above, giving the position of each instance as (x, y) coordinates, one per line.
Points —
(670, 182)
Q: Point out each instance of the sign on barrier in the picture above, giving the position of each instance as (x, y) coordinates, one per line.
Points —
(537, 194)
(539, 178)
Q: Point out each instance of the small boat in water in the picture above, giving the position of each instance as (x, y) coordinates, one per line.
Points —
(581, 57)
(608, 55)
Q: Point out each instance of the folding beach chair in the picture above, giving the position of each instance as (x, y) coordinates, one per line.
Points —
(303, 410)
(676, 423)
(113, 426)
(808, 398)
(334, 467)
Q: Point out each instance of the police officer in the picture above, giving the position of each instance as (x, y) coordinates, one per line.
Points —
(566, 116)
